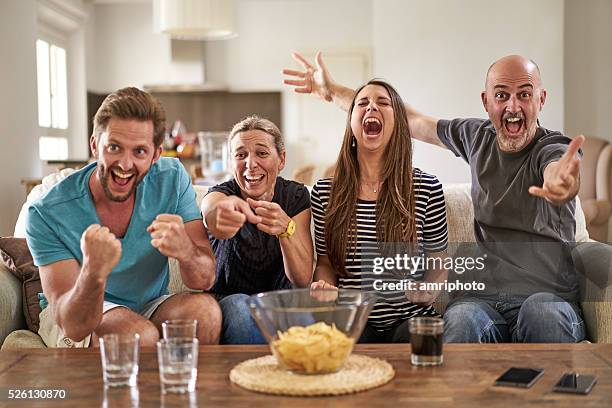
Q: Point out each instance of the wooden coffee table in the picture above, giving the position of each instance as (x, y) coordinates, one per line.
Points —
(465, 379)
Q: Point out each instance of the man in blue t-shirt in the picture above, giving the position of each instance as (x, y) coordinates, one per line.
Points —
(524, 180)
(102, 236)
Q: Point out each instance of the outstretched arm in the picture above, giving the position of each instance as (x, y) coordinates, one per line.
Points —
(316, 80)
(562, 177)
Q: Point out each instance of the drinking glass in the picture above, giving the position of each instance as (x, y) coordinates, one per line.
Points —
(426, 335)
(119, 353)
(178, 364)
(184, 329)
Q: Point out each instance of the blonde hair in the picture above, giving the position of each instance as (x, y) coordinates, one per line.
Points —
(254, 122)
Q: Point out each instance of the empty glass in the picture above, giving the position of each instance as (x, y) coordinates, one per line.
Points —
(180, 329)
(178, 364)
(119, 353)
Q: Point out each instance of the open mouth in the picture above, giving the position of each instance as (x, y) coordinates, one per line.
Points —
(513, 125)
(254, 180)
(121, 178)
(372, 126)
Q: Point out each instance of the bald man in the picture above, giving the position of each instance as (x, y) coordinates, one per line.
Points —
(524, 180)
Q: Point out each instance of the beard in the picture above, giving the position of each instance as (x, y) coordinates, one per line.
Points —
(513, 144)
(105, 175)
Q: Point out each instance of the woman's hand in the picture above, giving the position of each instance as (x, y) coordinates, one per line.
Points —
(323, 291)
(273, 220)
(421, 297)
(230, 215)
(315, 79)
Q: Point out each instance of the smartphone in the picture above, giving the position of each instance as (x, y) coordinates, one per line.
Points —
(575, 383)
(520, 377)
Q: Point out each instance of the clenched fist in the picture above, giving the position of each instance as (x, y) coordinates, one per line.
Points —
(168, 235)
(101, 250)
(231, 213)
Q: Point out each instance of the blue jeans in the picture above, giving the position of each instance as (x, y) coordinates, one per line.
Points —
(539, 318)
(238, 325)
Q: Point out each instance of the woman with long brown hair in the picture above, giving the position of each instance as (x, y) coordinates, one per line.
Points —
(375, 205)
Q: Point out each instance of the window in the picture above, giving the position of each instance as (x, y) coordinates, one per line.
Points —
(52, 100)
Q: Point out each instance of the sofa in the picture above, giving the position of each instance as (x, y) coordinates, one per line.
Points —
(594, 259)
(596, 187)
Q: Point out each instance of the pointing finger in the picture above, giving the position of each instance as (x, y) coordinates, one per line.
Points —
(573, 147)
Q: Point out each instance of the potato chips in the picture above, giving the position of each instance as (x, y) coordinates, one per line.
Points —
(318, 348)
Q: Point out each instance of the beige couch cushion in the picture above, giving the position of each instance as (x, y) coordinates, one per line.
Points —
(460, 215)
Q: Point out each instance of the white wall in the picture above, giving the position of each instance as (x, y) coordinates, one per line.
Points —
(124, 51)
(588, 63)
(436, 53)
(18, 107)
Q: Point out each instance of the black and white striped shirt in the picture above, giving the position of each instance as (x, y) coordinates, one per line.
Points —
(392, 308)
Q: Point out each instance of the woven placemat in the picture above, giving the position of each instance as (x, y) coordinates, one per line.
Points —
(359, 373)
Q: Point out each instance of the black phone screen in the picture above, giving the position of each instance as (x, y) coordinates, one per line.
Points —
(520, 377)
(576, 383)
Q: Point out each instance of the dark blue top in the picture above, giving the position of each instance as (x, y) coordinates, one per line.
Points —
(251, 261)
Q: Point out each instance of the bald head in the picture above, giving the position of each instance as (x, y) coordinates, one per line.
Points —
(512, 65)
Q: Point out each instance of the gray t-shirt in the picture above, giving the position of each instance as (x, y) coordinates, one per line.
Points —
(526, 239)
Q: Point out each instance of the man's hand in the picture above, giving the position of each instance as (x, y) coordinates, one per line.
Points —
(561, 178)
(273, 219)
(101, 251)
(168, 235)
(231, 213)
(313, 80)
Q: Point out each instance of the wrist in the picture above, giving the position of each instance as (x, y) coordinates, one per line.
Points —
(289, 229)
(92, 277)
(189, 254)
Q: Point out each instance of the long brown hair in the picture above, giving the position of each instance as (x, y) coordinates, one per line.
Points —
(395, 206)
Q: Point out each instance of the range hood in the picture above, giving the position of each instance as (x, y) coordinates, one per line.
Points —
(194, 19)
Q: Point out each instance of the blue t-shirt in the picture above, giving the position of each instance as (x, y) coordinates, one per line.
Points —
(57, 220)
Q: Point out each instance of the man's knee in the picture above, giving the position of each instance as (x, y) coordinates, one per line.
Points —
(547, 318)
(205, 309)
(541, 307)
(466, 322)
(123, 321)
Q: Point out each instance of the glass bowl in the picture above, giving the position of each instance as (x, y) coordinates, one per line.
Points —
(311, 331)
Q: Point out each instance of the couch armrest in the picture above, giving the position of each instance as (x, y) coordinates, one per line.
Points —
(11, 310)
(596, 211)
(594, 265)
(20, 339)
